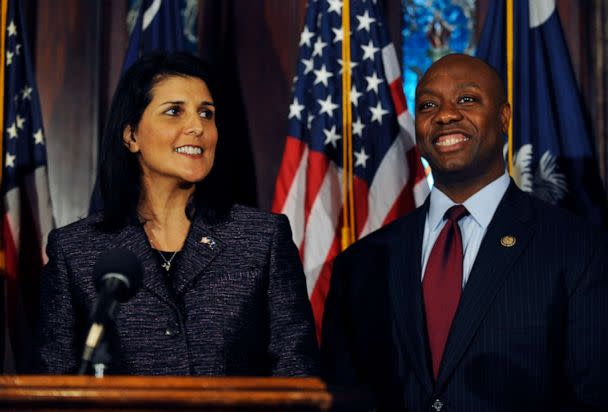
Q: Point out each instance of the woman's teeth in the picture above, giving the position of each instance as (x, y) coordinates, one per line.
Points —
(191, 150)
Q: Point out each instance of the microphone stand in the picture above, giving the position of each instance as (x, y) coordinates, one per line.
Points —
(98, 356)
(104, 309)
(101, 359)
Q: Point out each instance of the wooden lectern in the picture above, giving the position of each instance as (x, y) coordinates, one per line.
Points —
(147, 393)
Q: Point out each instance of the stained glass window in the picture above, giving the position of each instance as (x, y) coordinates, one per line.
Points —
(432, 29)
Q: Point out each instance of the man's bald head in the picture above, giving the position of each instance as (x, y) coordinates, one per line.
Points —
(475, 65)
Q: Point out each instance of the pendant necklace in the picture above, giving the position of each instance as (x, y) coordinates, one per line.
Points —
(167, 264)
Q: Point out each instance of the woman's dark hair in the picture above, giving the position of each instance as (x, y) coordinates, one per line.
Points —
(119, 171)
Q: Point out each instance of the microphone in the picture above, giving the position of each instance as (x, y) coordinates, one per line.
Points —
(118, 276)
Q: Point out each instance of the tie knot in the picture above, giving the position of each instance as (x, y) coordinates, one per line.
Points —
(455, 213)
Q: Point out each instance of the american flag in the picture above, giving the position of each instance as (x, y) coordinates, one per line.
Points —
(27, 214)
(389, 179)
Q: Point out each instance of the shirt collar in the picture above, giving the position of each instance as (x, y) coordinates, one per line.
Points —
(481, 205)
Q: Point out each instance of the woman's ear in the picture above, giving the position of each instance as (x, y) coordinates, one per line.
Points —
(130, 140)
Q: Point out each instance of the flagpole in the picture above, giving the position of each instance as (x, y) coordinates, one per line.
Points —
(510, 49)
(348, 207)
(3, 11)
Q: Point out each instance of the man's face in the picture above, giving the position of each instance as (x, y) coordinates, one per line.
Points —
(460, 121)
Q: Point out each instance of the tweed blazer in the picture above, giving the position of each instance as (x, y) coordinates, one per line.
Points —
(530, 332)
(237, 305)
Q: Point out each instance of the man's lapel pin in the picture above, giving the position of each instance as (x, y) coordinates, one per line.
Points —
(508, 241)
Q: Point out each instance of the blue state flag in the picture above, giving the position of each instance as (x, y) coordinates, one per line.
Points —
(158, 27)
(553, 151)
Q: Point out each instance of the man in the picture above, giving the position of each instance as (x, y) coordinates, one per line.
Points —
(500, 304)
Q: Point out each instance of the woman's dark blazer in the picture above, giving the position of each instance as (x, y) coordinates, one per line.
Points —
(238, 305)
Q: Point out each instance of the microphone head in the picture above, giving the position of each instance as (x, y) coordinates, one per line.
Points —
(122, 267)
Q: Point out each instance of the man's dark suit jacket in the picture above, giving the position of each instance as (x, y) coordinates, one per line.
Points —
(530, 332)
(238, 305)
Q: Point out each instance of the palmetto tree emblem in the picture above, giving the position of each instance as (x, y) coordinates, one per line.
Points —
(547, 182)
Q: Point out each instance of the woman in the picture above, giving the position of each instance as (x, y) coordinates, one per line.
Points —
(223, 289)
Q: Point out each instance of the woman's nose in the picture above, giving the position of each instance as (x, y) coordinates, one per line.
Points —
(194, 125)
(195, 131)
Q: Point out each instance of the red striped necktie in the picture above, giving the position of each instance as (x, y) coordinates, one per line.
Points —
(442, 283)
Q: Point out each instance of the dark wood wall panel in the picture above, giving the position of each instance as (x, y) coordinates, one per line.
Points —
(392, 13)
(114, 41)
(267, 37)
(575, 19)
(599, 83)
(67, 71)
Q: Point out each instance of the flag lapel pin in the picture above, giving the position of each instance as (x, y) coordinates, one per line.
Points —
(206, 240)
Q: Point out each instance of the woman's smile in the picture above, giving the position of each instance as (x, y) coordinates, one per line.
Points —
(190, 151)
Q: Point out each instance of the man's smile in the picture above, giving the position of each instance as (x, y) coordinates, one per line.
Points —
(450, 142)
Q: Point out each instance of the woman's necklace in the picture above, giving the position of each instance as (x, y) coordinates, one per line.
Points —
(167, 264)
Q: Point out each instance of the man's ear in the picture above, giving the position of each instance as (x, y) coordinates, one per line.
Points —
(505, 117)
(129, 139)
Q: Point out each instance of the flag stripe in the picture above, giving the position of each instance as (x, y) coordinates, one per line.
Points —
(42, 211)
(392, 70)
(291, 188)
(397, 95)
(413, 193)
(361, 204)
(321, 289)
(316, 176)
(291, 165)
(407, 130)
(321, 225)
(11, 251)
(421, 187)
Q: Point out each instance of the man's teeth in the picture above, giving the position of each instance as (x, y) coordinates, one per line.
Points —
(191, 150)
(447, 141)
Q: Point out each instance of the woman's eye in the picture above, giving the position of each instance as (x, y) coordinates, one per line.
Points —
(173, 111)
(206, 114)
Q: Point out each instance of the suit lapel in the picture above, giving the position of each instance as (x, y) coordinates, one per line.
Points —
(133, 238)
(495, 258)
(203, 244)
(406, 293)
